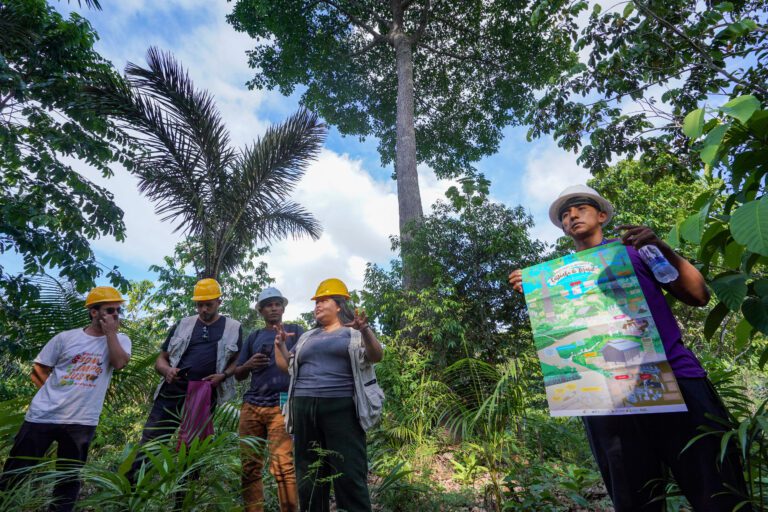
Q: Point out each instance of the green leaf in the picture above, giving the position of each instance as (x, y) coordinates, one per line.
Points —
(733, 252)
(731, 289)
(673, 237)
(628, 10)
(741, 108)
(758, 123)
(756, 312)
(714, 319)
(743, 333)
(693, 124)
(761, 287)
(712, 142)
(691, 229)
(749, 225)
(724, 6)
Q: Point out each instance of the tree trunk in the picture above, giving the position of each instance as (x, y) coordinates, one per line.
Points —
(408, 195)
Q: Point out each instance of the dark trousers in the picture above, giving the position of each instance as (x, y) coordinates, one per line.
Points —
(329, 446)
(33, 440)
(633, 451)
(163, 420)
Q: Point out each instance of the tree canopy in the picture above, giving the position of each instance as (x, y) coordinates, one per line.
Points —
(49, 210)
(644, 68)
(435, 82)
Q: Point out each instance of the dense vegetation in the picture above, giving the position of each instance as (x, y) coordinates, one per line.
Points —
(465, 424)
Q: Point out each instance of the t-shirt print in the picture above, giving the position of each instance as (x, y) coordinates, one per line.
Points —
(83, 370)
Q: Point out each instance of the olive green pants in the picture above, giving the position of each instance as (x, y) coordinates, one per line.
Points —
(330, 449)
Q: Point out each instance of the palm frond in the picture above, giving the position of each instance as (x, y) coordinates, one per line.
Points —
(276, 162)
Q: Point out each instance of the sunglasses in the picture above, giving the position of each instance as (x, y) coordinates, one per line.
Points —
(205, 332)
(113, 310)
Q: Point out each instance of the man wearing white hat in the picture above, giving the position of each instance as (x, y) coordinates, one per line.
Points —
(260, 415)
(632, 451)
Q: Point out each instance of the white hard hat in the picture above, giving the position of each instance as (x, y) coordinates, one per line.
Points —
(577, 192)
(271, 293)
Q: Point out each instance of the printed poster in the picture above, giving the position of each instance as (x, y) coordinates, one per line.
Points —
(598, 346)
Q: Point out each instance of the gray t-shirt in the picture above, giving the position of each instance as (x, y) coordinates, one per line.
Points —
(324, 367)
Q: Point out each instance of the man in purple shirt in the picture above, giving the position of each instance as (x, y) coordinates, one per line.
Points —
(632, 451)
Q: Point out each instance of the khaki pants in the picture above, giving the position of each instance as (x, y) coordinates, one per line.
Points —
(267, 423)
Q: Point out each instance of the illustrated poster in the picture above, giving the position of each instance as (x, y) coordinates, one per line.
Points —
(598, 346)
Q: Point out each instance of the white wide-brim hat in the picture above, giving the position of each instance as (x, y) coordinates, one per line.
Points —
(576, 191)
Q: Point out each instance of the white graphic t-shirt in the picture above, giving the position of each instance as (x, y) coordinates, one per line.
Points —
(75, 390)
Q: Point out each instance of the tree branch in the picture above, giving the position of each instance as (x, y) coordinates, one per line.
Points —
(458, 56)
(710, 63)
(354, 19)
(365, 49)
(423, 21)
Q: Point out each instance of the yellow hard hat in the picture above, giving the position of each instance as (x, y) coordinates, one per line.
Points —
(331, 287)
(103, 294)
(206, 289)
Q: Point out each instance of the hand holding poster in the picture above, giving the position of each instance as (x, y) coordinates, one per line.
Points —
(598, 346)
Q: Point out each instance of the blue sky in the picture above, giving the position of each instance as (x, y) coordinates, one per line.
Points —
(347, 189)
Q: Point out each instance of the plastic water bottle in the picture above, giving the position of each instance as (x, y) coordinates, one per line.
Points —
(661, 268)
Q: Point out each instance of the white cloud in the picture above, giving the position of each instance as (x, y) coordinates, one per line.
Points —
(549, 170)
(358, 216)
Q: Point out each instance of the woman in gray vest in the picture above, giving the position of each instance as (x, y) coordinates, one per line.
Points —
(333, 398)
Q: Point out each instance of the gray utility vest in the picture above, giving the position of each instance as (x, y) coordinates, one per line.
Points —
(226, 349)
(368, 397)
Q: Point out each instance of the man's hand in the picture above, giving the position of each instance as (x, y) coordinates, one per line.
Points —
(516, 280)
(257, 361)
(639, 236)
(216, 379)
(359, 322)
(108, 323)
(171, 375)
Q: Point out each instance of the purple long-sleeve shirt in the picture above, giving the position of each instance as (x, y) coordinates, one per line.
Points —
(683, 362)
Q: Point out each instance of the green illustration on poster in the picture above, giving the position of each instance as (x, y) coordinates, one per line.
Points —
(598, 346)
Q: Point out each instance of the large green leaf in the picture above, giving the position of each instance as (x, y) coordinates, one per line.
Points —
(733, 252)
(693, 124)
(731, 289)
(761, 287)
(712, 142)
(714, 319)
(692, 228)
(743, 332)
(749, 225)
(756, 312)
(741, 108)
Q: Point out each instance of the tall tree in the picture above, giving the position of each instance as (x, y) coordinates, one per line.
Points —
(227, 199)
(49, 210)
(646, 66)
(435, 81)
(467, 248)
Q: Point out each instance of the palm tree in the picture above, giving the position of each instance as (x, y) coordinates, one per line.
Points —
(227, 198)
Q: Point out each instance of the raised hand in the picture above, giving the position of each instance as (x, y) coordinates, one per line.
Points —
(360, 321)
(282, 336)
(108, 323)
(516, 280)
